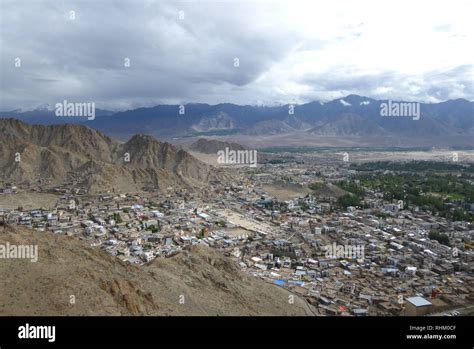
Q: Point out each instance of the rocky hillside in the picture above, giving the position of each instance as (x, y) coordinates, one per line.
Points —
(97, 162)
(72, 278)
(212, 146)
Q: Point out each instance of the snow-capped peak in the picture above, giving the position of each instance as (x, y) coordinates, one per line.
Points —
(344, 103)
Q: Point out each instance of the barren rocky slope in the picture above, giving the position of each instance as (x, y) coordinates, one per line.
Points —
(212, 146)
(209, 283)
(79, 154)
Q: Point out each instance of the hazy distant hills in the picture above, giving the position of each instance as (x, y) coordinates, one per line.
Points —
(76, 153)
(448, 123)
(212, 146)
(45, 115)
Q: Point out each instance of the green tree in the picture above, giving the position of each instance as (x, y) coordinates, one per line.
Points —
(440, 237)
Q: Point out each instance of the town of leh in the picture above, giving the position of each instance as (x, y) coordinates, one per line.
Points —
(344, 232)
(177, 174)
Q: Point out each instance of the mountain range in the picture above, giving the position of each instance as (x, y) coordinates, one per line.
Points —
(449, 123)
(92, 160)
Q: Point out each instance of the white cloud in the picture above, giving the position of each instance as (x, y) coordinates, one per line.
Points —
(288, 51)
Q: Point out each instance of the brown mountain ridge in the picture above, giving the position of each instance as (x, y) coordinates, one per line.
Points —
(67, 153)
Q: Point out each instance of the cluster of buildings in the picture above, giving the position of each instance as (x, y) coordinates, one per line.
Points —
(356, 262)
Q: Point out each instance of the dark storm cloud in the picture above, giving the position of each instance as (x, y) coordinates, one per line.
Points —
(82, 54)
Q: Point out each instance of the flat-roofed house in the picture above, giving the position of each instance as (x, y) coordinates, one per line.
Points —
(417, 306)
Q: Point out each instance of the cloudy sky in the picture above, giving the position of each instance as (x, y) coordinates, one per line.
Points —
(124, 54)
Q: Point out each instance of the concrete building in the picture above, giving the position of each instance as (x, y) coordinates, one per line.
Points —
(417, 306)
